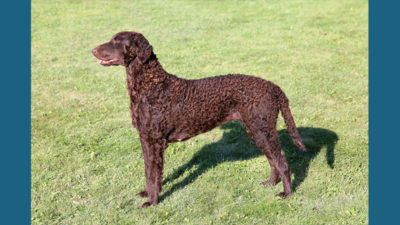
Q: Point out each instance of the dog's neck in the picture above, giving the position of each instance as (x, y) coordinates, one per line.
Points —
(146, 76)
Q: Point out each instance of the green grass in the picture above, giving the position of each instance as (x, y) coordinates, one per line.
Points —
(87, 163)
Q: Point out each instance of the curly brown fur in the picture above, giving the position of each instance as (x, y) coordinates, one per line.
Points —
(165, 108)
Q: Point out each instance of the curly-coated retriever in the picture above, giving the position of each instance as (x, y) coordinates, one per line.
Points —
(165, 108)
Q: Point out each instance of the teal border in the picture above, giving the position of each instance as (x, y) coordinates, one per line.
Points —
(384, 111)
(15, 80)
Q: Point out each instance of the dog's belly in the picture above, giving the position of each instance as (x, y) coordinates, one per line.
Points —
(232, 116)
(178, 136)
(188, 129)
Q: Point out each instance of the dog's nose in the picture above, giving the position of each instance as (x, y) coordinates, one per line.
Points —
(94, 51)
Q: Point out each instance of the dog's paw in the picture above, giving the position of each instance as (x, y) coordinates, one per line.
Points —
(268, 183)
(142, 194)
(283, 195)
(146, 204)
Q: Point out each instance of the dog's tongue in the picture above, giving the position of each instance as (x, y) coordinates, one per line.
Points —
(105, 62)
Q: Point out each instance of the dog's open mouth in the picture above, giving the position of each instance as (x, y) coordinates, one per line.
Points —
(107, 62)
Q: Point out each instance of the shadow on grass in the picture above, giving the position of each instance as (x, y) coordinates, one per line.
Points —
(236, 145)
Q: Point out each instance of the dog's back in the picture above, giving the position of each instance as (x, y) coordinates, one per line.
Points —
(206, 103)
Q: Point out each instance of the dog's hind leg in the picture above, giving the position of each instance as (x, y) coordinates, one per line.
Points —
(273, 178)
(264, 134)
(269, 144)
(273, 153)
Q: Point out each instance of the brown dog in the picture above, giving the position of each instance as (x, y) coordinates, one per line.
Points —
(165, 108)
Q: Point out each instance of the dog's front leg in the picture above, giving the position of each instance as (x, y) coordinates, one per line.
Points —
(145, 192)
(153, 151)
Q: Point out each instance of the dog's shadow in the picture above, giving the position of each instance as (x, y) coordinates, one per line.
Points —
(236, 145)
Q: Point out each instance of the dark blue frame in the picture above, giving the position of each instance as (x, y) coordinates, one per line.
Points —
(15, 96)
(384, 111)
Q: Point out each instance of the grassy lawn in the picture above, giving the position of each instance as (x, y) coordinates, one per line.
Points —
(87, 162)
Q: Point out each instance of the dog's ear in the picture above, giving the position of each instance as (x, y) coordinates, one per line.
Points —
(143, 49)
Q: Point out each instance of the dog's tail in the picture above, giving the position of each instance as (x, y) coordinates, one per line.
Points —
(288, 118)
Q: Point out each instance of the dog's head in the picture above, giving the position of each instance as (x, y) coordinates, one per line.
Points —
(123, 48)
